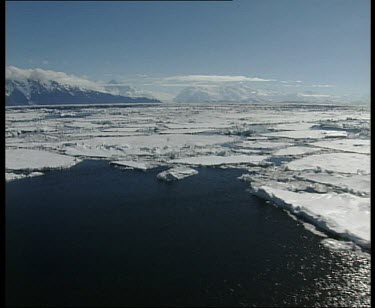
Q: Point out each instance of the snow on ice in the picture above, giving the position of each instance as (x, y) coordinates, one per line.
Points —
(23, 159)
(333, 162)
(342, 214)
(212, 160)
(132, 164)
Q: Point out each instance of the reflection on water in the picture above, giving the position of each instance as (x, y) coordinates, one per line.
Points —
(96, 235)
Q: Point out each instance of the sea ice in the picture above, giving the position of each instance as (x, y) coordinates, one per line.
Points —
(133, 164)
(10, 176)
(98, 152)
(158, 141)
(334, 244)
(353, 183)
(186, 131)
(208, 135)
(342, 214)
(307, 134)
(296, 150)
(333, 162)
(212, 160)
(346, 145)
(176, 173)
(254, 144)
(24, 159)
(294, 126)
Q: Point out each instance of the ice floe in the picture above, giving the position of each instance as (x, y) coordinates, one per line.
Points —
(307, 134)
(254, 144)
(296, 150)
(333, 162)
(212, 160)
(100, 151)
(158, 141)
(346, 145)
(343, 214)
(353, 183)
(133, 164)
(176, 173)
(10, 176)
(334, 244)
(24, 159)
(294, 126)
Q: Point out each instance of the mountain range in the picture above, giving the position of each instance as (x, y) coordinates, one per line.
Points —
(46, 87)
(42, 87)
(244, 94)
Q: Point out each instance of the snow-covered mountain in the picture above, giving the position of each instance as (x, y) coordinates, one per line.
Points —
(200, 94)
(118, 88)
(245, 93)
(45, 87)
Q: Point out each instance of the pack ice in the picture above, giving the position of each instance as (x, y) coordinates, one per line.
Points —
(313, 160)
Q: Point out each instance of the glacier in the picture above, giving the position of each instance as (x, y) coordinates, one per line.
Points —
(312, 160)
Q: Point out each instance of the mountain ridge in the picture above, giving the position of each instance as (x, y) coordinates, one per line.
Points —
(39, 87)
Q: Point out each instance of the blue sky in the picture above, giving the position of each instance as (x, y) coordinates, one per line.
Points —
(323, 42)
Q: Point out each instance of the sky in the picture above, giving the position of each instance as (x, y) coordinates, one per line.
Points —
(166, 45)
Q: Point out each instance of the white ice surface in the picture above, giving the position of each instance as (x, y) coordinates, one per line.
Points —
(197, 125)
(158, 141)
(186, 131)
(353, 183)
(10, 176)
(343, 214)
(347, 145)
(254, 144)
(23, 159)
(176, 173)
(133, 164)
(297, 150)
(294, 126)
(334, 244)
(333, 162)
(87, 151)
(307, 134)
(212, 160)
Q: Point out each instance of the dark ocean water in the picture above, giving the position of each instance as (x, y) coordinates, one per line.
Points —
(96, 235)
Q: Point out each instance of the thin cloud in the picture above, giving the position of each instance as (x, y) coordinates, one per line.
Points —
(307, 85)
(47, 76)
(212, 79)
(313, 95)
(291, 81)
(322, 86)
